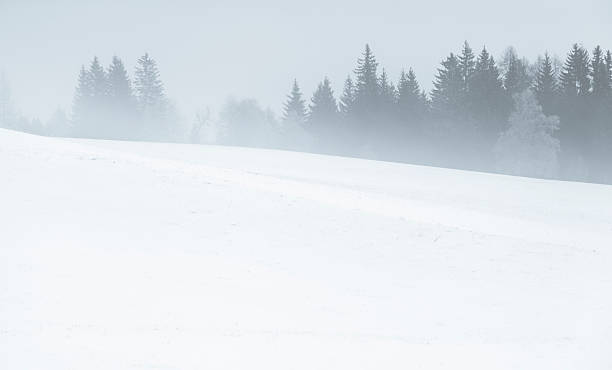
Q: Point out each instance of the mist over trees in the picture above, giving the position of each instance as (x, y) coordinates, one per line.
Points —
(549, 118)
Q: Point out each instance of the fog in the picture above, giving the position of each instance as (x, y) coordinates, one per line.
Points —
(207, 50)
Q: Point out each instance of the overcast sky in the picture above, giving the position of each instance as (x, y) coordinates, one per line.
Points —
(207, 50)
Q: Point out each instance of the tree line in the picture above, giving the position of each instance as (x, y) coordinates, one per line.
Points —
(549, 118)
(542, 119)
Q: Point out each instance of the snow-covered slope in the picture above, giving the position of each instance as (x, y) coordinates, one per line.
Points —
(117, 255)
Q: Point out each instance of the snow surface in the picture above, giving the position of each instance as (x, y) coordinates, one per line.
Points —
(118, 255)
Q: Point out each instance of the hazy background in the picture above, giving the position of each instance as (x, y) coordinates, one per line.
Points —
(207, 50)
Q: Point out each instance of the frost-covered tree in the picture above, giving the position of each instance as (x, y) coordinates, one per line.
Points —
(121, 102)
(528, 147)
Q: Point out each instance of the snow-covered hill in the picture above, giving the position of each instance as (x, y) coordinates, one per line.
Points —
(117, 255)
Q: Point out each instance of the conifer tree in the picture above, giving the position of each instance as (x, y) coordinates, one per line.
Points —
(366, 86)
(295, 108)
(467, 65)
(545, 87)
(388, 94)
(600, 75)
(149, 87)
(410, 98)
(348, 97)
(119, 85)
(447, 98)
(122, 104)
(323, 108)
(516, 77)
(488, 103)
(99, 83)
(575, 77)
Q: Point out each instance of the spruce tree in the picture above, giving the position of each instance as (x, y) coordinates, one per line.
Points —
(119, 85)
(575, 77)
(98, 80)
(366, 86)
(516, 76)
(323, 109)
(388, 94)
(487, 101)
(447, 97)
(545, 87)
(410, 102)
(122, 103)
(348, 97)
(295, 108)
(467, 65)
(600, 75)
(149, 87)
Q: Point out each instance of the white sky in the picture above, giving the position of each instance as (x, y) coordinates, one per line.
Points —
(207, 50)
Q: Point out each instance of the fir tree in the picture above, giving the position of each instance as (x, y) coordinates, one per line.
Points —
(323, 108)
(575, 79)
(546, 84)
(516, 77)
(410, 98)
(388, 94)
(119, 85)
(98, 81)
(447, 98)
(348, 97)
(467, 65)
(488, 103)
(366, 87)
(149, 87)
(295, 108)
(600, 75)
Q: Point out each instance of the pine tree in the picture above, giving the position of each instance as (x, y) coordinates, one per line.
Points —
(348, 97)
(366, 86)
(410, 98)
(516, 77)
(82, 98)
(575, 80)
(295, 108)
(122, 104)
(488, 103)
(119, 85)
(447, 98)
(600, 75)
(546, 84)
(323, 109)
(98, 81)
(528, 147)
(388, 93)
(467, 65)
(149, 87)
